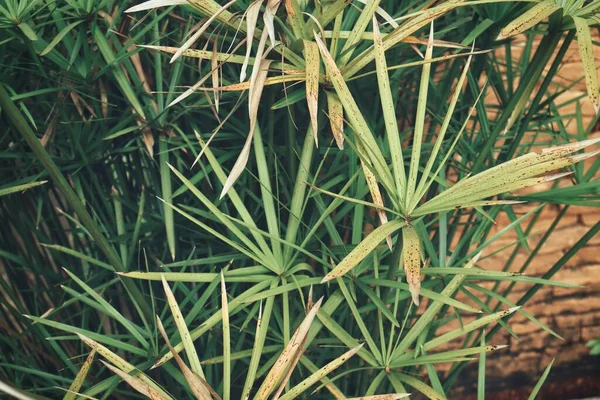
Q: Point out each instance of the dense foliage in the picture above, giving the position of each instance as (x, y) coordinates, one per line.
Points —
(292, 195)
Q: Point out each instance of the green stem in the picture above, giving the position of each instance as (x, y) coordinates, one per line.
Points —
(512, 145)
(298, 196)
(517, 102)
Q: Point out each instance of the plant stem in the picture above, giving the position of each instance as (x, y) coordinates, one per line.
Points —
(516, 104)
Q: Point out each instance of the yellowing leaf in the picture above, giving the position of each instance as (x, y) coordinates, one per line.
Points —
(268, 16)
(375, 193)
(121, 364)
(400, 33)
(411, 259)
(80, 378)
(355, 117)
(392, 396)
(363, 249)
(199, 387)
(251, 20)
(188, 43)
(286, 360)
(152, 4)
(335, 110)
(136, 383)
(320, 374)
(586, 50)
(214, 64)
(311, 56)
(509, 176)
(212, 7)
(528, 19)
(255, 94)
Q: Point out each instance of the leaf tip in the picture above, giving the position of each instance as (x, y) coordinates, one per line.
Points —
(414, 290)
(513, 309)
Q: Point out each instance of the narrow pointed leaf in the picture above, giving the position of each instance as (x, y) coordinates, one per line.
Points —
(188, 344)
(355, 117)
(136, 383)
(19, 188)
(336, 118)
(198, 385)
(320, 374)
(59, 37)
(226, 341)
(411, 261)
(80, 378)
(541, 381)
(194, 38)
(214, 64)
(471, 326)
(152, 4)
(251, 20)
(311, 56)
(284, 361)
(586, 50)
(389, 114)
(529, 18)
(419, 130)
(122, 364)
(255, 95)
(363, 249)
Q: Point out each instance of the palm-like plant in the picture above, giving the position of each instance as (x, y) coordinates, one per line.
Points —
(274, 232)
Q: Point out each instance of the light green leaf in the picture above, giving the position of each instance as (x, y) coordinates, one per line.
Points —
(20, 188)
(59, 37)
(363, 249)
(184, 333)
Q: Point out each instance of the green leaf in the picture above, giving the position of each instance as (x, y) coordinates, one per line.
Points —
(184, 333)
(355, 117)
(111, 311)
(541, 381)
(20, 188)
(389, 115)
(59, 37)
(419, 130)
(120, 77)
(431, 312)
(167, 191)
